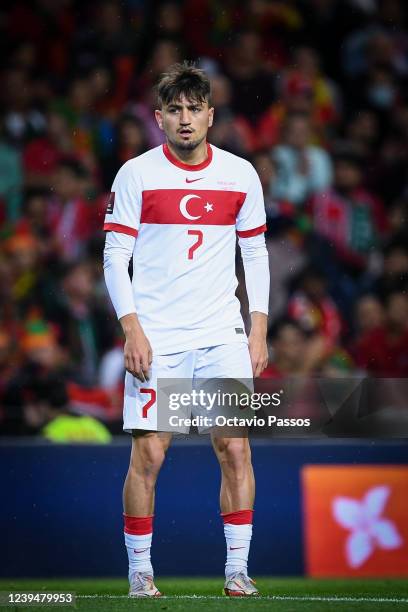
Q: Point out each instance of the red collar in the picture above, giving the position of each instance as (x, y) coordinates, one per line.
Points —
(189, 167)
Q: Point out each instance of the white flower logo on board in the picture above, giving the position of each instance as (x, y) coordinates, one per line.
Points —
(369, 529)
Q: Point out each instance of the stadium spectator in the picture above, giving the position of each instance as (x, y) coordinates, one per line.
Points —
(362, 131)
(77, 110)
(283, 241)
(287, 248)
(108, 35)
(143, 110)
(130, 141)
(69, 215)
(22, 119)
(383, 351)
(164, 53)
(169, 22)
(24, 260)
(46, 411)
(34, 218)
(377, 44)
(292, 358)
(230, 131)
(347, 215)
(326, 23)
(394, 275)
(266, 168)
(40, 349)
(288, 349)
(253, 87)
(315, 311)
(11, 183)
(369, 314)
(397, 219)
(41, 155)
(36, 354)
(85, 330)
(326, 96)
(302, 169)
(381, 92)
(296, 97)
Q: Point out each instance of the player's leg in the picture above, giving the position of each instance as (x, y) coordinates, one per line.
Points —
(237, 476)
(147, 456)
(148, 452)
(236, 500)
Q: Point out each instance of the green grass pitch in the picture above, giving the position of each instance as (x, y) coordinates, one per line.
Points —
(204, 594)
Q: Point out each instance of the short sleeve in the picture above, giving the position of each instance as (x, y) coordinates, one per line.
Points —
(251, 219)
(125, 202)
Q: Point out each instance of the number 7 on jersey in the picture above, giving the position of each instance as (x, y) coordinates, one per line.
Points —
(198, 243)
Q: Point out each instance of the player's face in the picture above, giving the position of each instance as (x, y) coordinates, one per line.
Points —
(185, 122)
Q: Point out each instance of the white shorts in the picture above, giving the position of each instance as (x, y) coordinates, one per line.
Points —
(140, 410)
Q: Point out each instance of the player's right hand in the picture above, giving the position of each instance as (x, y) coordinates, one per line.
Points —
(138, 355)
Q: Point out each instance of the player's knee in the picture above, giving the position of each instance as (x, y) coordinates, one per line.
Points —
(148, 461)
(235, 454)
(152, 461)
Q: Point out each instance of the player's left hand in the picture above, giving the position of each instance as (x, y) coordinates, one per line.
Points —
(258, 351)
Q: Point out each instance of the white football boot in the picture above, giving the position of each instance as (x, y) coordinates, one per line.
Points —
(142, 585)
(240, 585)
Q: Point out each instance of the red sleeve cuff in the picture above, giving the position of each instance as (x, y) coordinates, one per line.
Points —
(122, 229)
(252, 232)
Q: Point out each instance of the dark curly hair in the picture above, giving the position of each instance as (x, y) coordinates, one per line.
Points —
(183, 79)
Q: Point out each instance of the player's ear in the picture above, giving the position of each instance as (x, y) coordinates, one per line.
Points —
(210, 116)
(159, 118)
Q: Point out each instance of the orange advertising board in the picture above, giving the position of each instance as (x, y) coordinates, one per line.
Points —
(355, 520)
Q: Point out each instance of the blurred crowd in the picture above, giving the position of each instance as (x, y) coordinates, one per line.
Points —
(314, 93)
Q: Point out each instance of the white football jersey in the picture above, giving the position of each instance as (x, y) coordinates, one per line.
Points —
(185, 220)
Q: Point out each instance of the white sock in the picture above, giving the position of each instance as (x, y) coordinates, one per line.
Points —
(138, 550)
(238, 539)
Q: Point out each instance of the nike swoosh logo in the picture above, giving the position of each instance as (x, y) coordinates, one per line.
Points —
(236, 547)
(194, 180)
(140, 550)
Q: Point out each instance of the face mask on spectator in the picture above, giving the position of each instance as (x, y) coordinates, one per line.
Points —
(381, 96)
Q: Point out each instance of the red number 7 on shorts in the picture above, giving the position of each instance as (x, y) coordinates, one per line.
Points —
(150, 402)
